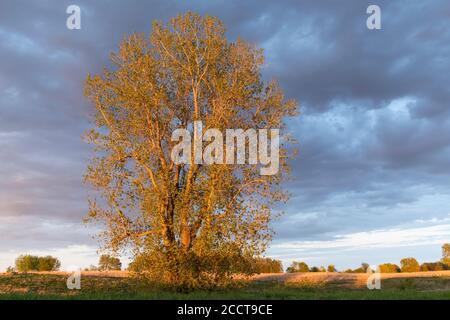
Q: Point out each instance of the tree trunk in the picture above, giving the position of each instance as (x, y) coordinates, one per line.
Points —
(185, 236)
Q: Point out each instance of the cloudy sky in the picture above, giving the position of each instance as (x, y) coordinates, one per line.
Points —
(371, 182)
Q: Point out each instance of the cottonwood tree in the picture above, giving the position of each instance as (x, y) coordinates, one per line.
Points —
(189, 221)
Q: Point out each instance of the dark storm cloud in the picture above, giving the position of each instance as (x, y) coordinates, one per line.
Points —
(374, 133)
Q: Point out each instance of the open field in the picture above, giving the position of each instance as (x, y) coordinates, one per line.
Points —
(118, 285)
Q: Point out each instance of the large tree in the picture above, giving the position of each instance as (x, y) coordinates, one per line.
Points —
(189, 220)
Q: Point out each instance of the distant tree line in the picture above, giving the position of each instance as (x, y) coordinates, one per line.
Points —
(300, 266)
(26, 263)
(406, 265)
(267, 265)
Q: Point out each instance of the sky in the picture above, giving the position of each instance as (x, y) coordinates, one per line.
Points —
(371, 181)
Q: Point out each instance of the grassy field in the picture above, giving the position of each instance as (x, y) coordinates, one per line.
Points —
(269, 286)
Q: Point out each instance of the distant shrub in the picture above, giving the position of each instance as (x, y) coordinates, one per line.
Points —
(26, 263)
(409, 265)
(331, 268)
(362, 269)
(109, 263)
(389, 268)
(314, 269)
(297, 267)
(365, 266)
(407, 284)
(10, 270)
(49, 263)
(91, 268)
(432, 266)
(348, 271)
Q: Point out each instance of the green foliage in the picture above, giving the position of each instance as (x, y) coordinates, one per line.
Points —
(109, 263)
(49, 263)
(185, 271)
(297, 267)
(409, 265)
(26, 263)
(389, 268)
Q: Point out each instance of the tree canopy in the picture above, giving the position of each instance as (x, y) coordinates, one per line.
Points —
(26, 263)
(108, 263)
(409, 265)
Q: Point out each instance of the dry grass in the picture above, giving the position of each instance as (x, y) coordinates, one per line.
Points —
(108, 274)
(119, 285)
(351, 280)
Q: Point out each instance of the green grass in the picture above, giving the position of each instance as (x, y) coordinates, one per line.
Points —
(25, 287)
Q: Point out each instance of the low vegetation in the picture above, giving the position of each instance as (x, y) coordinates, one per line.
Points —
(105, 286)
(37, 278)
(25, 263)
